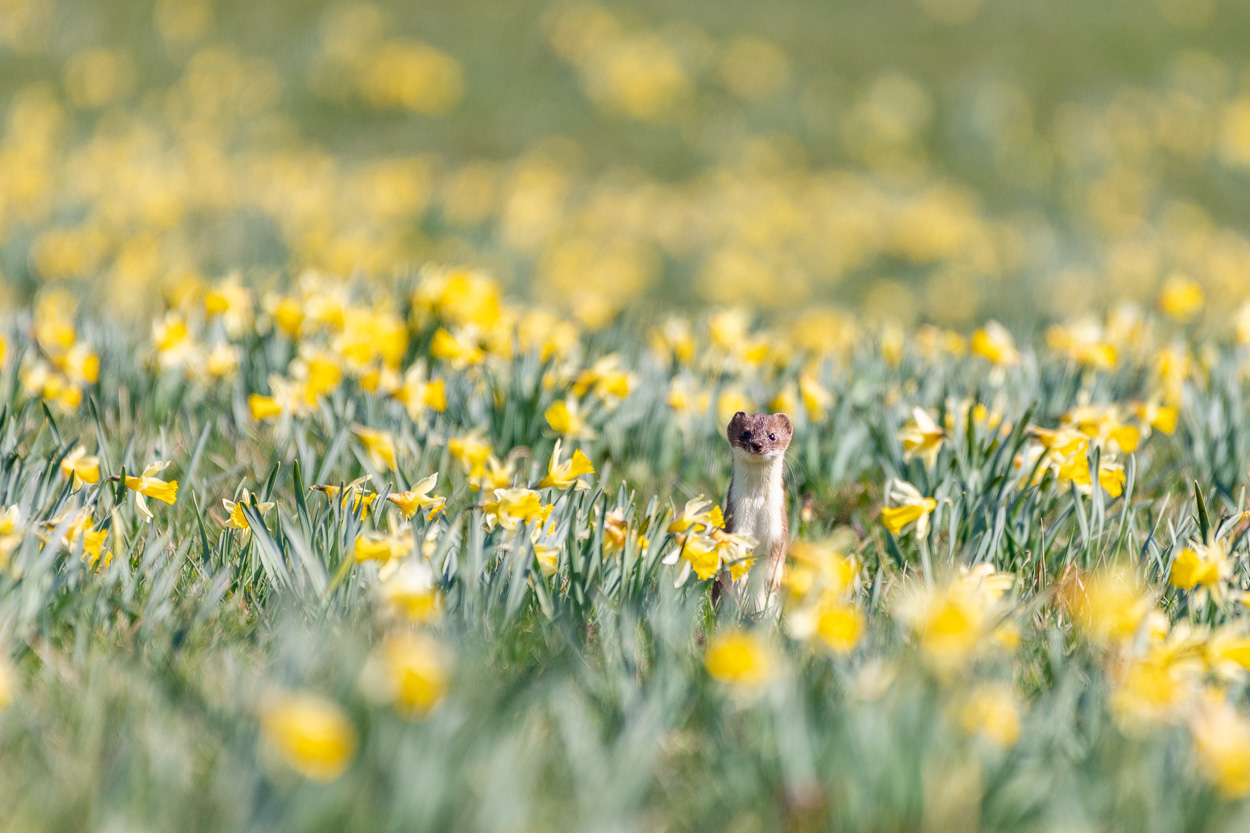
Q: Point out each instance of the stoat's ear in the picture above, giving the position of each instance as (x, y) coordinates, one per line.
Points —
(785, 422)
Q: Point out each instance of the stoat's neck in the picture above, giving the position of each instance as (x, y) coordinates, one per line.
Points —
(756, 478)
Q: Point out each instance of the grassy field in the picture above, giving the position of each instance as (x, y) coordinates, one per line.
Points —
(364, 372)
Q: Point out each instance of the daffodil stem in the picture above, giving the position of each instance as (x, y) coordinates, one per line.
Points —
(340, 574)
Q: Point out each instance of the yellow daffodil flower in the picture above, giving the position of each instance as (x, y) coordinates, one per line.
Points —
(460, 296)
(379, 444)
(381, 547)
(954, 622)
(615, 530)
(993, 342)
(561, 475)
(8, 682)
(83, 468)
(79, 530)
(673, 340)
(411, 671)
(286, 313)
(319, 371)
(696, 511)
(147, 484)
(1158, 417)
(1109, 605)
(1181, 298)
(412, 592)
(735, 551)
(235, 517)
(419, 497)
(564, 417)
(1221, 740)
(730, 401)
(354, 491)
(906, 509)
(1202, 564)
(512, 507)
(548, 559)
(821, 566)
(540, 331)
(1083, 342)
(263, 407)
(1153, 690)
(786, 401)
(742, 659)
(605, 380)
(1227, 651)
(706, 549)
(839, 626)
(1075, 470)
(816, 398)
(496, 474)
(10, 533)
(457, 350)
(417, 393)
(992, 711)
(699, 554)
(470, 451)
(921, 437)
(832, 621)
(222, 361)
(309, 733)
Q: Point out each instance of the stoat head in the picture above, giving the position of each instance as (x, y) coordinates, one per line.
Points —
(759, 437)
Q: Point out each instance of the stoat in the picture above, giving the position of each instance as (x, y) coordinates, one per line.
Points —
(756, 504)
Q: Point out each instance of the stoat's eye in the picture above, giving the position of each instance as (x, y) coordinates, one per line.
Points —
(746, 435)
(772, 437)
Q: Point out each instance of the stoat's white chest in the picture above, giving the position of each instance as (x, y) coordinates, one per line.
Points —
(758, 495)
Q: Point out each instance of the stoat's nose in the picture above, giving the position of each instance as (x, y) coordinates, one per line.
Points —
(757, 447)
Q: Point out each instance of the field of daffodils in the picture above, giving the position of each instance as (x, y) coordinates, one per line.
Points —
(364, 380)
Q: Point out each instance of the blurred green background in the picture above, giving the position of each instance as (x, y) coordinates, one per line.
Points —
(939, 160)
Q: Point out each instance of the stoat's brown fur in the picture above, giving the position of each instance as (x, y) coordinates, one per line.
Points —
(756, 504)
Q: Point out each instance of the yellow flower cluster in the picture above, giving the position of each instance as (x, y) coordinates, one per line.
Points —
(312, 735)
(704, 547)
(820, 584)
(98, 181)
(340, 339)
(960, 620)
(78, 531)
(65, 365)
(1065, 451)
(1164, 674)
(358, 60)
